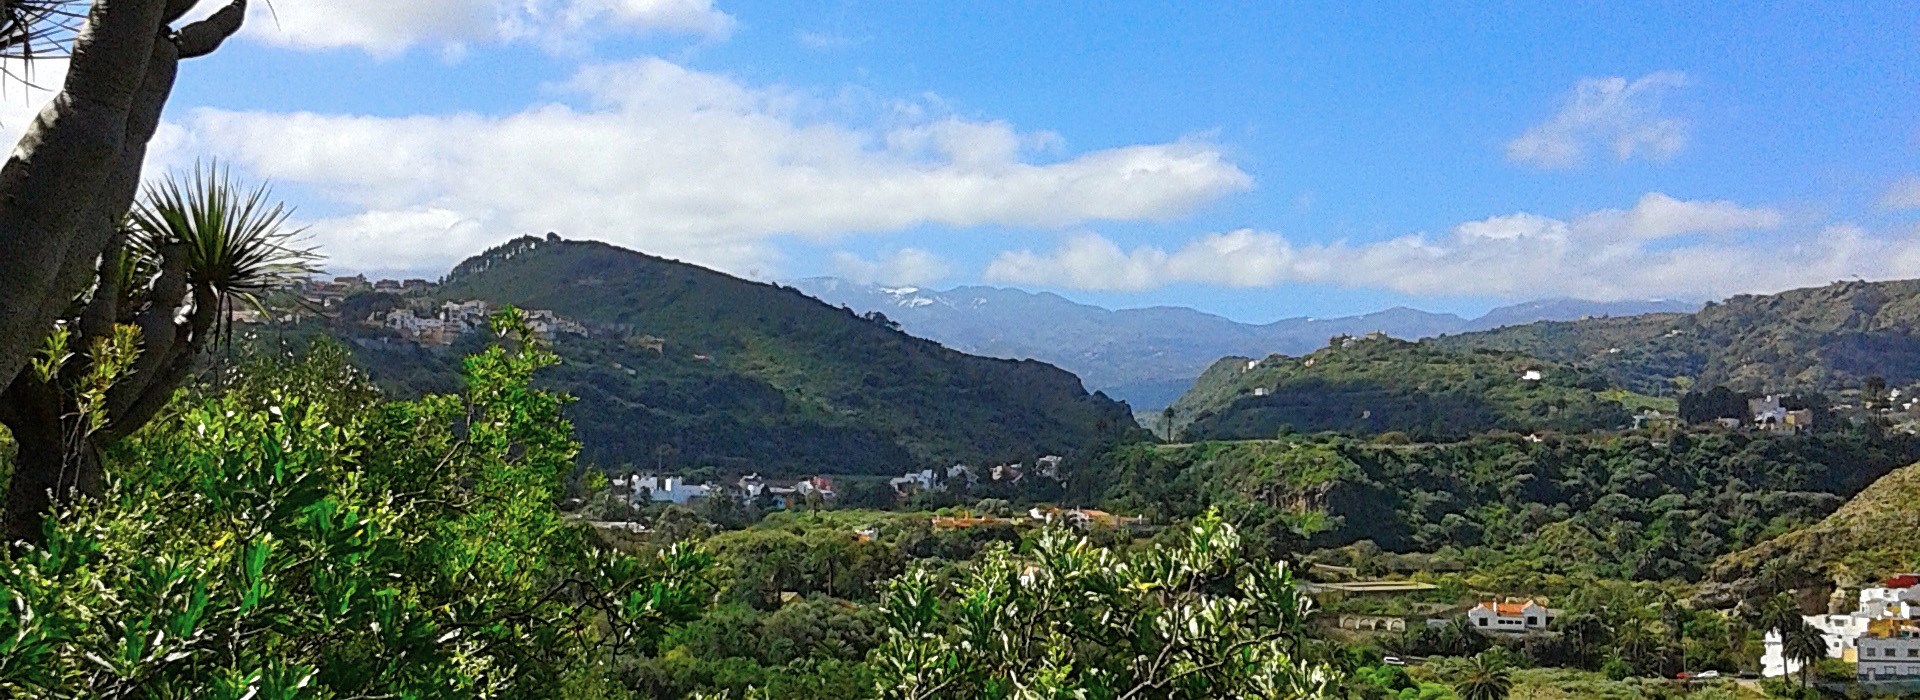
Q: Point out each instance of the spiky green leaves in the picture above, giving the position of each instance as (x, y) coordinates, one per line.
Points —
(236, 239)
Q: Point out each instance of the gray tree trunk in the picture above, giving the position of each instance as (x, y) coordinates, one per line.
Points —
(77, 169)
(63, 193)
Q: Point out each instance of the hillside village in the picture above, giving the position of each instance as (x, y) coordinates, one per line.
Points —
(1879, 636)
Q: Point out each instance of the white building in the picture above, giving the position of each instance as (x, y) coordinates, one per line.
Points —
(1896, 601)
(922, 480)
(1889, 651)
(671, 489)
(1767, 411)
(1524, 616)
(1533, 375)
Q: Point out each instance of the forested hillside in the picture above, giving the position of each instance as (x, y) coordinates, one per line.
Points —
(1613, 506)
(1818, 339)
(1379, 384)
(685, 367)
(1876, 534)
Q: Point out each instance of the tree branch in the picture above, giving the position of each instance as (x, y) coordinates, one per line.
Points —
(203, 37)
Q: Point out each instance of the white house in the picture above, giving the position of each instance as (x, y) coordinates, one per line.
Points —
(1896, 601)
(1767, 411)
(667, 489)
(1049, 466)
(922, 480)
(1524, 616)
(1532, 375)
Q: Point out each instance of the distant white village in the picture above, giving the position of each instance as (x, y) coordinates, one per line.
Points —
(640, 489)
(1881, 636)
(419, 319)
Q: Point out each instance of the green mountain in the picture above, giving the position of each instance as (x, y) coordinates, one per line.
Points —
(1378, 384)
(1816, 339)
(684, 367)
(1877, 533)
(1621, 506)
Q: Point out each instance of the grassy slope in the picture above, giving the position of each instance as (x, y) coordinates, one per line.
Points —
(1366, 386)
(787, 384)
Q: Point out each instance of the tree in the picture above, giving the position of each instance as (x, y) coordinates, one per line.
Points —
(1485, 677)
(1068, 619)
(76, 171)
(297, 536)
(192, 251)
(1874, 390)
(1804, 643)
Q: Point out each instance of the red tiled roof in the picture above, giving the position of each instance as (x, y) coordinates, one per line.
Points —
(1904, 581)
(1507, 609)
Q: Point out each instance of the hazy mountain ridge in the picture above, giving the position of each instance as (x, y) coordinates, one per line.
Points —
(1149, 356)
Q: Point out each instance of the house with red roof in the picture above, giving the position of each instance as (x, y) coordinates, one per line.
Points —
(1520, 616)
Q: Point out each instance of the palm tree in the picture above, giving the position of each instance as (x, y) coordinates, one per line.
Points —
(1586, 635)
(236, 242)
(1804, 643)
(1484, 678)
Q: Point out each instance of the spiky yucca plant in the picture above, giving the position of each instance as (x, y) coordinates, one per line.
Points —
(236, 240)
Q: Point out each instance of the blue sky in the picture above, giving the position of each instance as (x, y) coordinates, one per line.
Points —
(1259, 160)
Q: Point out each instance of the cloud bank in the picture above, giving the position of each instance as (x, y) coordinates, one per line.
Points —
(688, 164)
(1660, 247)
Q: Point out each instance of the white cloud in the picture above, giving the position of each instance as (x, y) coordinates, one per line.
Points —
(1608, 254)
(1903, 194)
(388, 27)
(687, 164)
(1618, 114)
(907, 266)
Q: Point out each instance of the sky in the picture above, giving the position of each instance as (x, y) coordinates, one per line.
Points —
(1258, 160)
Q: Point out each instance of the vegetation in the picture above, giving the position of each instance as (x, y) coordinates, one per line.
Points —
(1364, 386)
(291, 533)
(1817, 339)
(295, 537)
(690, 368)
(115, 360)
(1626, 507)
(1875, 534)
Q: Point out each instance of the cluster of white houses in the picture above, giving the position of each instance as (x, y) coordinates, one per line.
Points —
(1881, 637)
(750, 488)
(937, 480)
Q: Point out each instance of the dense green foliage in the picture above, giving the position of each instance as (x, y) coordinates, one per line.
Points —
(1616, 506)
(1195, 620)
(1378, 384)
(1876, 534)
(1818, 339)
(289, 533)
(294, 536)
(688, 368)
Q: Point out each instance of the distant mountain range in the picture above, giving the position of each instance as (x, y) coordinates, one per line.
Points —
(1148, 357)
